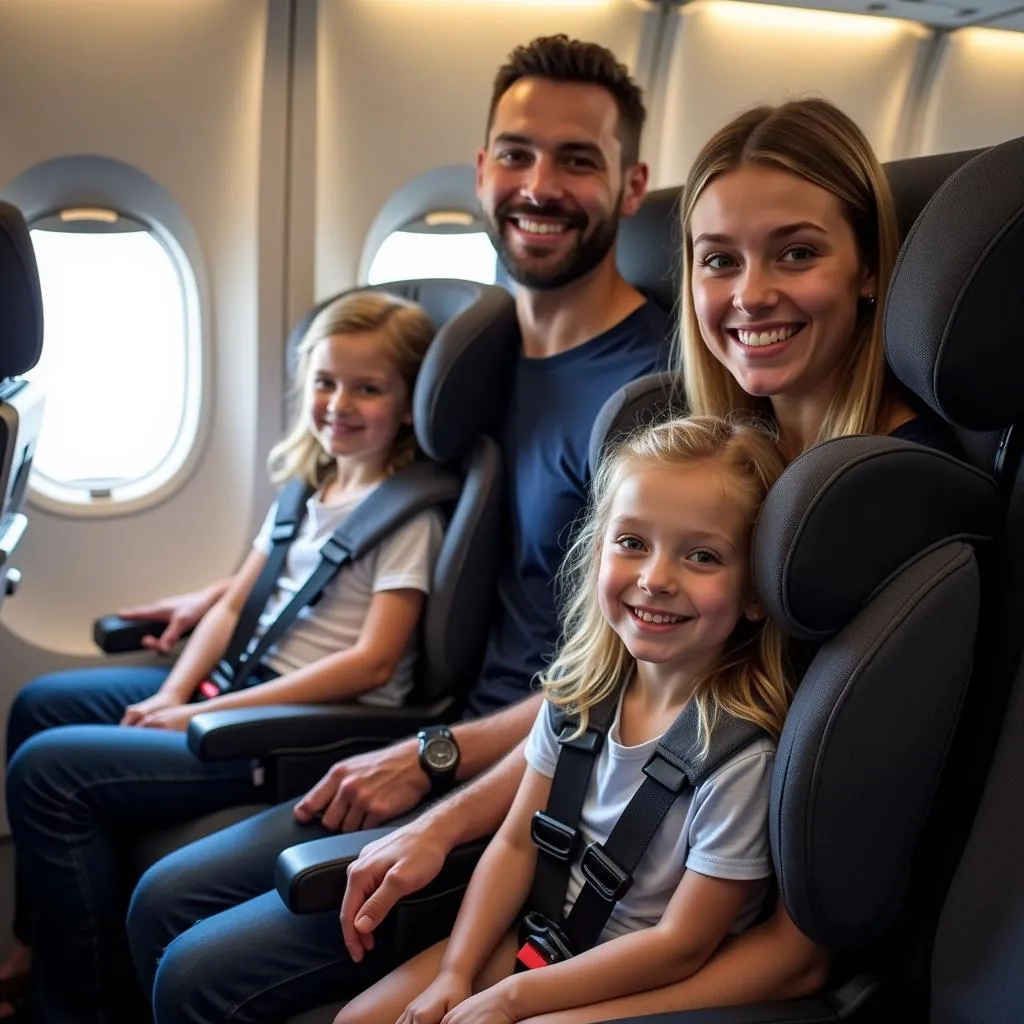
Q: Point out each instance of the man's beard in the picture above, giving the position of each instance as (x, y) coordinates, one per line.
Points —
(582, 258)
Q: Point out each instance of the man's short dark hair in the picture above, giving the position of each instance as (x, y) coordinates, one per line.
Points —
(562, 59)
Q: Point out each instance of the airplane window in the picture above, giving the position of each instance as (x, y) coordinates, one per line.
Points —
(407, 255)
(117, 366)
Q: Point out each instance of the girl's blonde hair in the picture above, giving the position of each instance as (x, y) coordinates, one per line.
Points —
(404, 331)
(817, 141)
(749, 679)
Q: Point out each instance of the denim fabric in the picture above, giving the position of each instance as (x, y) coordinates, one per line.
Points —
(213, 942)
(76, 697)
(73, 795)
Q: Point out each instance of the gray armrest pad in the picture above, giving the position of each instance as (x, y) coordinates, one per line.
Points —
(311, 877)
(259, 732)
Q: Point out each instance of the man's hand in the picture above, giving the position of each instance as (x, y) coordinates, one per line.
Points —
(181, 613)
(160, 701)
(385, 871)
(365, 790)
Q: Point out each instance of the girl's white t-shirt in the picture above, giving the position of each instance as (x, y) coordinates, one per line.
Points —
(721, 830)
(405, 560)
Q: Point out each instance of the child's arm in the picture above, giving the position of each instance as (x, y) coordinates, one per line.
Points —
(697, 918)
(496, 893)
(205, 647)
(389, 626)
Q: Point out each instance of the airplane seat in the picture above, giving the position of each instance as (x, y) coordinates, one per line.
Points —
(457, 390)
(649, 248)
(311, 877)
(21, 403)
(955, 340)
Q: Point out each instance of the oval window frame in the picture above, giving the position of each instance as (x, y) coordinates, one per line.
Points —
(41, 192)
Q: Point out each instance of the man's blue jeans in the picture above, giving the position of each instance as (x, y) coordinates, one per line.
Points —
(75, 795)
(214, 943)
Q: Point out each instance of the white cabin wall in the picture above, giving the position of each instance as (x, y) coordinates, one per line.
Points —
(728, 56)
(976, 97)
(404, 86)
(174, 88)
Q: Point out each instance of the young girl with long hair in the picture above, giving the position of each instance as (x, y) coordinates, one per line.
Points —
(71, 785)
(661, 613)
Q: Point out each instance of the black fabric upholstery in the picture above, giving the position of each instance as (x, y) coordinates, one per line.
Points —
(464, 375)
(642, 402)
(863, 745)
(849, 514)
(21, 302)
(649, 249)
(957, 292)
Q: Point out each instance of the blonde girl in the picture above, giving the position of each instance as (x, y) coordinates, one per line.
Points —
(661, 610)
(69, 789)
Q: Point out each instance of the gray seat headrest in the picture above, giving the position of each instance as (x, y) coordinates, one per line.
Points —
(649, 249)
(21, 302)
(640, 403)
(849, 514)
(954, 319)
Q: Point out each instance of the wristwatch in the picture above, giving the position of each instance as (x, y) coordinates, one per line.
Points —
(439, 757)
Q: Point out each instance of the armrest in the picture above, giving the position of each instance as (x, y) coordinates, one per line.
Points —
(287, 728)
(114, 635)
(311, 877)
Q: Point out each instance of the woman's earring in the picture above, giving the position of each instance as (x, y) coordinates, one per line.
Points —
(869, 301)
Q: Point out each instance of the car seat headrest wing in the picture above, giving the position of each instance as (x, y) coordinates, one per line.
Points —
(21, 301)
(466, 376)
(849, 514)
(954, 319)
(640, 403)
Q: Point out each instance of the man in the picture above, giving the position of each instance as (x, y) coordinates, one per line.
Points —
(559, 168)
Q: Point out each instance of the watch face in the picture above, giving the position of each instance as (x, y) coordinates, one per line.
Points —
(440, 754)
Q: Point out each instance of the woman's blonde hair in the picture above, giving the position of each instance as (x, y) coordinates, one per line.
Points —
(404, 330)
(749, 679)
(817, 141)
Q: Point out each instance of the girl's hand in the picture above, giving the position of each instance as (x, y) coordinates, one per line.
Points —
(492, 1006)
(160, 701)
(174, 718)
(446, 992)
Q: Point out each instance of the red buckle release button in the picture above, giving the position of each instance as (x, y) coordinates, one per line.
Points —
(209, 689)
(530, 958)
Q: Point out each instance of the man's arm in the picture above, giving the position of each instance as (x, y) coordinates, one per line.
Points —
(365, 790)
(412, 856)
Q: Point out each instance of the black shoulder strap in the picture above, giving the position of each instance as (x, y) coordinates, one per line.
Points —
(291, 510)
(555, 830)
(675, 765)
(388, 507)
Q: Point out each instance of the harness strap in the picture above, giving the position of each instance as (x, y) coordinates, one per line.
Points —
(554, 830)
(676, 765)
(397, 500)
(291, 510)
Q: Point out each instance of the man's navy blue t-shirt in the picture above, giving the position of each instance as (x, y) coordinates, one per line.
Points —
(544, 440)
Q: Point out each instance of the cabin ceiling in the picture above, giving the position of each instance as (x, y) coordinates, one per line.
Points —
(950, 14)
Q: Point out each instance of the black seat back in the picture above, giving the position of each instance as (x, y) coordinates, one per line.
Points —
(955, 327)
(21, 403)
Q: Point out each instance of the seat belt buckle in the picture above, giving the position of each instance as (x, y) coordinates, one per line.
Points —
(610, 881)
(543, 944)
(207, 689)
(554, 837)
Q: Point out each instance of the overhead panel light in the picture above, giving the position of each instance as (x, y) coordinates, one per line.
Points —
(86, 213)
(445, 218)
(827, 25)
